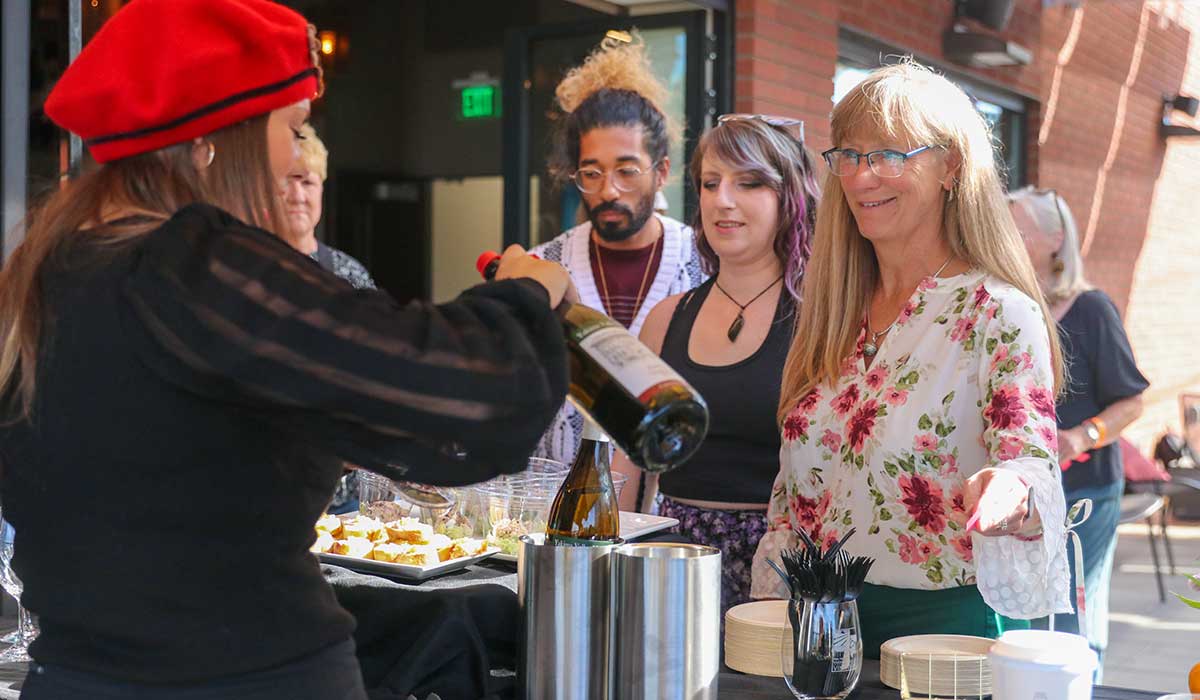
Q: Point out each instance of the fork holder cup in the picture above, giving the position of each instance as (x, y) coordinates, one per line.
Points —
(567, 611)
(667, 640)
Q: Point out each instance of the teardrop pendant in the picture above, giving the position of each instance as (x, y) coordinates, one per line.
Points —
(736, 327)
(869, 349)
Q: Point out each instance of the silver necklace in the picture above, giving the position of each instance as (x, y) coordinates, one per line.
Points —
(871, 346)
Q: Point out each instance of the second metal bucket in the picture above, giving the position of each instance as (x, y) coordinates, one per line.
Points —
(668, 628)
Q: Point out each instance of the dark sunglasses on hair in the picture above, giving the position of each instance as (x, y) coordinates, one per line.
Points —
(785, 123)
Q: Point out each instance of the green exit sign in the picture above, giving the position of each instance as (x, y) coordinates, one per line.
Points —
(479, 102)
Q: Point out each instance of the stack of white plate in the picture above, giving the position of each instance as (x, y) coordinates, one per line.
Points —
(941, 665)
(753, 635)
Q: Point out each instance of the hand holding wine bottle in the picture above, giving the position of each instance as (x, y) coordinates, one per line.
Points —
(517, 263)
(648, 410)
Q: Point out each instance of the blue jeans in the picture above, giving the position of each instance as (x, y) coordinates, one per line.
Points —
(1098, 536)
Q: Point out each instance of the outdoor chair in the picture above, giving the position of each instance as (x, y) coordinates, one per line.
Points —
(1144, 506)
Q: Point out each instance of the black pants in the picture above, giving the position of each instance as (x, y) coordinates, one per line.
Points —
(330, 674)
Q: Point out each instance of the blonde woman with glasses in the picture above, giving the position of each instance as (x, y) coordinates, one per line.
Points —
(917, 401)
(1103, 396)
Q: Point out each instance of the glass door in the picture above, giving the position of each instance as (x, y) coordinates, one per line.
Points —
(682, 52)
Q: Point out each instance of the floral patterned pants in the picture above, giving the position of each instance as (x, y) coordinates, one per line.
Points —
(735, 532)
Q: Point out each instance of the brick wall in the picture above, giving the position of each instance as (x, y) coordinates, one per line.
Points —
(1131, 190)
(1095, 89)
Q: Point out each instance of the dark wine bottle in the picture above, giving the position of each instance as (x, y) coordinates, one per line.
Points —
(585, 509)
(648, 410)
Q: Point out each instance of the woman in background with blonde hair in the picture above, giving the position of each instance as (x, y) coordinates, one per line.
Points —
(302, 196)
(1103, 394)
(917, 402)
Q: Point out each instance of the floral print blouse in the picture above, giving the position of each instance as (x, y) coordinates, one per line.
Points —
(962, 382)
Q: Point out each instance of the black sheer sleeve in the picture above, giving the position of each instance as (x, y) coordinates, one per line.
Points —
(447, 394)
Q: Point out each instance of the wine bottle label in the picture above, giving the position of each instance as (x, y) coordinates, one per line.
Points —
(632, 364)
(577, 542)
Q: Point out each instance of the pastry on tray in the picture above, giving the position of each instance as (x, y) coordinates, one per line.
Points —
(324, 542)
(386, 551)
(418, 555)
(330, 523)
(364, 526)
(465, 547)
(409, 530)
(352, 547)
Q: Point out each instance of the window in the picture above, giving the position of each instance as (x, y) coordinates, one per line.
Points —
(1004, 111)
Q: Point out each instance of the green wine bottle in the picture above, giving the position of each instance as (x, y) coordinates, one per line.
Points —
(585, 508)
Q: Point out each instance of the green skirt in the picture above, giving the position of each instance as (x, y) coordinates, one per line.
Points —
(885, 612)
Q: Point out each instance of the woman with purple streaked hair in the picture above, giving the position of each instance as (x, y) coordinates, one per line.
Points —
(729, 337)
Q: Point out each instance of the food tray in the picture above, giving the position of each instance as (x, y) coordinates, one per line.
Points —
(407, 571)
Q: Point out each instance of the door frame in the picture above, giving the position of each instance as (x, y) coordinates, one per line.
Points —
(708, 82)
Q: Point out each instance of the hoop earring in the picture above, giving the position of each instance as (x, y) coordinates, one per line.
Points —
(212, 153)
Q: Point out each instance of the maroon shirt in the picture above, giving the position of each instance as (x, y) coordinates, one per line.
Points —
(622, 278)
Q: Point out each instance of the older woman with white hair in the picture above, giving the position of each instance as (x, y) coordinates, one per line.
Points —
(1103, 395)
(302, 203)
(917, 402)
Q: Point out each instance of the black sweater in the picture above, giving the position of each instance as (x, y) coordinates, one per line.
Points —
(197, 393)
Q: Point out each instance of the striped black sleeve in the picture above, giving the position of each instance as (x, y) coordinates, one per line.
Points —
(454, 393)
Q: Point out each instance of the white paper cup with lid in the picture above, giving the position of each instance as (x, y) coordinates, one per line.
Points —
(1041, 665)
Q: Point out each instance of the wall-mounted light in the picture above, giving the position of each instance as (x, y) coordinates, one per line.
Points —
(993, 14)
(328, 41)
(1183, 103)
(982, 50)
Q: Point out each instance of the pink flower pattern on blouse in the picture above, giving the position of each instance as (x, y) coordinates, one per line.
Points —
(961, 383)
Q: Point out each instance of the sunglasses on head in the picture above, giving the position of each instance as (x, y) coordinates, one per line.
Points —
(785, 123)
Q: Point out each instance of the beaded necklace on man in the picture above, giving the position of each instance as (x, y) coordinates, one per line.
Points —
(606, 297)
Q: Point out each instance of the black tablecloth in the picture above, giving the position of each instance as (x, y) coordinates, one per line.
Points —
(738, 686)
(731, 685)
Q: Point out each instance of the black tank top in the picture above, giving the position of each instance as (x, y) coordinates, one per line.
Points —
(739, 459)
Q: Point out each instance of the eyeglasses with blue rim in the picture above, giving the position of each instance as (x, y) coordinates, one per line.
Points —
(885, 163)
(794, 127)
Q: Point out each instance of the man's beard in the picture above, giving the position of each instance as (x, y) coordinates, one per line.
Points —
(614, 231)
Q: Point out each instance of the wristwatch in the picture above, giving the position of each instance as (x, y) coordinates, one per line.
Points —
(1092, 431)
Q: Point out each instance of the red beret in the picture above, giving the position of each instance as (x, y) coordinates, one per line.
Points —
(162, 72)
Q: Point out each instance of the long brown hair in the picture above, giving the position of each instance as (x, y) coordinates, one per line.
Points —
(155, 185)
(906, 102)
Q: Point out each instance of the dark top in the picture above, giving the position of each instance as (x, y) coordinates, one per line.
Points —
(626, 279)
(343, 265)
(1101, 371)
(206, 352)
(739, 460)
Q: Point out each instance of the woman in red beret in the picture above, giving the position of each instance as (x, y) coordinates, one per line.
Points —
(157, 344)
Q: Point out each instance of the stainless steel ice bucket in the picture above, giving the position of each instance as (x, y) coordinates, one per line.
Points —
(668, 626)
(567, 609)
